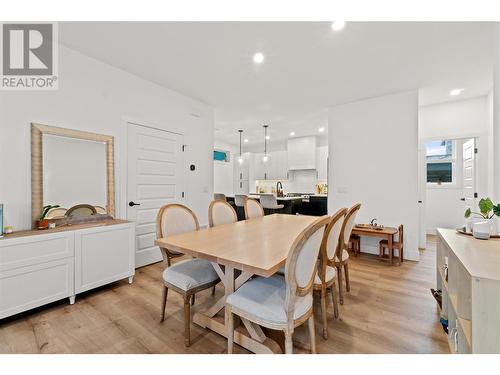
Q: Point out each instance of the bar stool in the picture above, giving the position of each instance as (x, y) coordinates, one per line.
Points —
(270, 203)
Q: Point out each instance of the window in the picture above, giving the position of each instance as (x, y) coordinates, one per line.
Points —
(222, 156)
(440, 157)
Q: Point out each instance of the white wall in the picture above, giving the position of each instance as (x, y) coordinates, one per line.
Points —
(460, 119)
(224, 172)
(96, 97)
(373, 160)
(496, 114)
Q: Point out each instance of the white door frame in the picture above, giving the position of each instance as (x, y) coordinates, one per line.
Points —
(422, 182)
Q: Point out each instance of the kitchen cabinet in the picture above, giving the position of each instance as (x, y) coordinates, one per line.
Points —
(322, 162)
(259, 167)
(302, 153)
(276, 167)
(242, 173)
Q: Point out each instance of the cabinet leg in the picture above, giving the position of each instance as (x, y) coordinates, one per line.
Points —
(131, 279)
(72, 299)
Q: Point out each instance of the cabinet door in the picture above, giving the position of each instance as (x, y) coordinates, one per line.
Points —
(260, 168)
(241, 171)
(36, 285)
(302, 153)
(277, 166)
(322, 163)
(103, 255)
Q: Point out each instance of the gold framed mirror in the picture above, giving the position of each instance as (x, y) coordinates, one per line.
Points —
(70, 167)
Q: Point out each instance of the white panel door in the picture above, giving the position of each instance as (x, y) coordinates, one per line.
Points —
(154, 178)
(469, 175)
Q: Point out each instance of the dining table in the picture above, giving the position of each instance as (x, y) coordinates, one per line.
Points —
(255, 247)
(378, 231)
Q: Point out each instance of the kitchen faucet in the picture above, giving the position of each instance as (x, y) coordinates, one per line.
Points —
(279, 189)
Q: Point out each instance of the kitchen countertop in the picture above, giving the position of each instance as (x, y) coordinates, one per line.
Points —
(257, 196)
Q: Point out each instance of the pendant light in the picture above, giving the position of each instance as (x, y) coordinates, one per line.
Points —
(265, 158)
(240, 158)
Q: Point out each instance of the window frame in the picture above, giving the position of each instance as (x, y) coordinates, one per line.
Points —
(452, 160)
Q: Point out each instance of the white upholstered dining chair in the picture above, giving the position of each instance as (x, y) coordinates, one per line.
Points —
(282, 303)
(325, 278)
(186, 277)
(253, 209)
(342, 256)
(221, 212)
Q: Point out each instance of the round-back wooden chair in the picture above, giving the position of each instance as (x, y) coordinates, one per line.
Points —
(342, 256)
(186, 277)
(220, 212)
(282, 303)
(325, 278)
(253, 209)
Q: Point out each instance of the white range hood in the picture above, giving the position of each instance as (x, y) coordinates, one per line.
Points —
(302, 153)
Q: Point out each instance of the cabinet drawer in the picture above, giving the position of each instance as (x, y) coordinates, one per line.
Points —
(26, 251)
(25, 288)
(103, 255)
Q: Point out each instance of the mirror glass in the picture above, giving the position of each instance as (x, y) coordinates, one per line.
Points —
(74, 171)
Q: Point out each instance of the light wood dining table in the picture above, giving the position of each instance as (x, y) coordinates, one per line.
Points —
(258, 246)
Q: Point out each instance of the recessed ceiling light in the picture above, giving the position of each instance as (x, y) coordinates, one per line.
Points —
(338, 25)
(456, 92)
(245, 140)
(258, 58)
(292, 134)
(321, 130)
(268, 137)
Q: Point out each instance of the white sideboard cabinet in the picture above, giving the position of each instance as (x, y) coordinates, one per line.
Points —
(40, 267)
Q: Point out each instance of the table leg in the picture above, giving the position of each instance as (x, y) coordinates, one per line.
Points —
(389, 245)
(256, 341)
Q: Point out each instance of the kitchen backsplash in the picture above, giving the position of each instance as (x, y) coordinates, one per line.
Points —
(299, 182)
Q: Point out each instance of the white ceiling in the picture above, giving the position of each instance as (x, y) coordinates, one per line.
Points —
(307, 68)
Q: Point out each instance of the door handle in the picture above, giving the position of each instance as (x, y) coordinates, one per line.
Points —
(132, 204)
(462, 199)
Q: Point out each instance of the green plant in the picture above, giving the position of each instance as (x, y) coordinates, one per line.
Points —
(46, 210)
(487, 209)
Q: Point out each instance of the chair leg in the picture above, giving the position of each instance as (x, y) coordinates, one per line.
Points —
(339, 277)
(193, 298)
(230, 330)
(213, 290)
(312, 334)
(288, 342)
(187, 321)
(347, 282)
(163, 303)
(334, 300)
(323, 313)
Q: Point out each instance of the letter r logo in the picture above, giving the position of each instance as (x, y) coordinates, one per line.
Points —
(27, 49)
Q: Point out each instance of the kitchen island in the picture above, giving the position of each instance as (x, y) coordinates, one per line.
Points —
(314, 205)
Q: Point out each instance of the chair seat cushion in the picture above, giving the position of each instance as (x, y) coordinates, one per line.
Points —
(345, 256)
(189, 274)
(331, 272)
(264, 298)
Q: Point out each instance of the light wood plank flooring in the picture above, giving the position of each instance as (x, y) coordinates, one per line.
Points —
(389, 310)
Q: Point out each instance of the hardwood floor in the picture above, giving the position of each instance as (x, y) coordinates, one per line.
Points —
(389, 310)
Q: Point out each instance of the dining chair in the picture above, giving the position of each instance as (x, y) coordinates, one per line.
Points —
(282, 303)
(239, 202)
(220, 196)
(186, 277)
(325, 278)
(221, 212)
(342, 257)
(398, 245)
(270, 203)
(355, 244)
(253, 209)
(56, 212)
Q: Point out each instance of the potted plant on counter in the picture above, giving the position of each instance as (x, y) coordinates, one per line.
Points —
(487, 211)
(43, 223)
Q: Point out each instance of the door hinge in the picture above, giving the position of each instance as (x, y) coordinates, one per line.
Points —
(475, 195)
(182, 194)
(475, 150)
